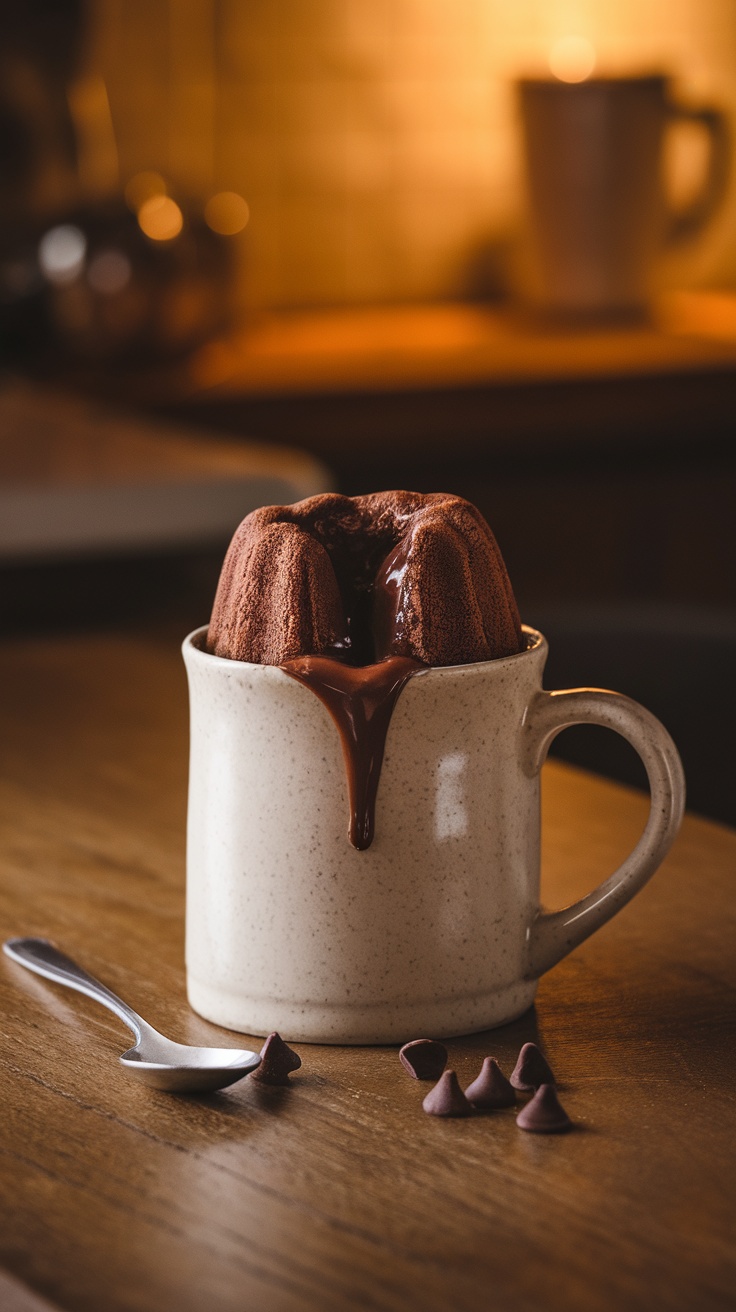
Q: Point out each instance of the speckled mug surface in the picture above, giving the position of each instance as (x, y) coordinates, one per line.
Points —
(434, 929)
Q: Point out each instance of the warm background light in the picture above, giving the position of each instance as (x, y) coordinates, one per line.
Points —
(380, 159)
(160, 218)
(572, 58)
(142, 187)
(226, 213)
(109, 272)
(61, 253)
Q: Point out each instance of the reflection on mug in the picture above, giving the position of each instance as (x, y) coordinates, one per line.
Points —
(451, 817)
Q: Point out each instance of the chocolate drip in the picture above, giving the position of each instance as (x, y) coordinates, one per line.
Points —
(360, 700)
(353, 595)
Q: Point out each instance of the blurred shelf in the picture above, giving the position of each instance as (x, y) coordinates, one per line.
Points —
(603, 456)
(487, 380)
(441, 345)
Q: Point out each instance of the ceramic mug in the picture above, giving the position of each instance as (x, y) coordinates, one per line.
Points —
(598, 212)
(436, 928)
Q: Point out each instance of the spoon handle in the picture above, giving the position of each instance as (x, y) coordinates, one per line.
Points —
(43, 958)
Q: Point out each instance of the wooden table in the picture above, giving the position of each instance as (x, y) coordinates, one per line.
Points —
(339, 1193)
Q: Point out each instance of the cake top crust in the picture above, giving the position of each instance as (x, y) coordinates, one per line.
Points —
(363, 578)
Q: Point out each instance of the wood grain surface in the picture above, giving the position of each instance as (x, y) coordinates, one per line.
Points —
(338, 1193)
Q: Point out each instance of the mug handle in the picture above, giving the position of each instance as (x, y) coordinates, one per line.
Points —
(687, 222)
(554, 934)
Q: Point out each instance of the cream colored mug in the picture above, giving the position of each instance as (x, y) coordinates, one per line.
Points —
(436, 928)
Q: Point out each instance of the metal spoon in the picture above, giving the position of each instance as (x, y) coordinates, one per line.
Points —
(156, 1060)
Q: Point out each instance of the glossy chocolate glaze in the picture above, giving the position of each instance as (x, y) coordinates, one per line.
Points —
(353, 595)
(388, 604)
(360, 700)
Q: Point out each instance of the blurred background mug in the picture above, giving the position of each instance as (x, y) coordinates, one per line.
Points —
(598, 210)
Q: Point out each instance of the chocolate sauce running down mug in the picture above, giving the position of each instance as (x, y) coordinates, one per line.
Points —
(436, 928)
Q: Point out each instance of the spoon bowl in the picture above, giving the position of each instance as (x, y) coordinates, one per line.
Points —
(179, 1068)
(153, 1059)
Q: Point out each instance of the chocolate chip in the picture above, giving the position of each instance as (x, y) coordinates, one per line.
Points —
(544, 1113)
(491, 1088)
(424, 1059)
(277, 1059)
(447, 1098)
(531, 1069)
